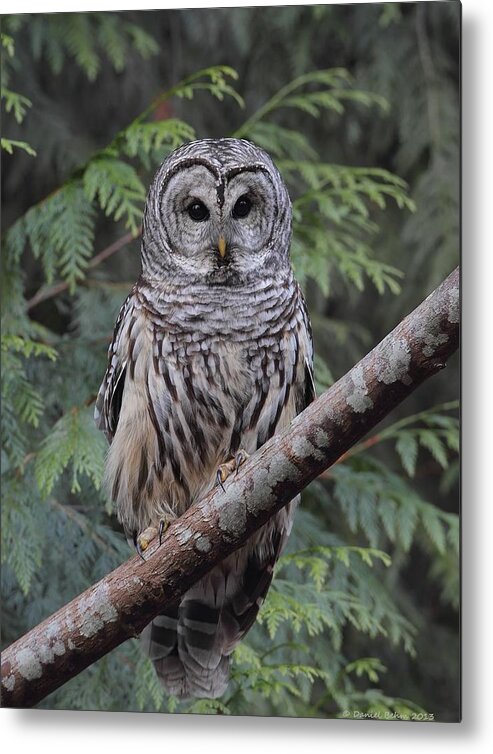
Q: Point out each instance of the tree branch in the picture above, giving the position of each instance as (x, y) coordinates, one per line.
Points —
(121, 604)
(54, 290)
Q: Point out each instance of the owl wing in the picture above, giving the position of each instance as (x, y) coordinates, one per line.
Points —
(109, 399)
(307, 393)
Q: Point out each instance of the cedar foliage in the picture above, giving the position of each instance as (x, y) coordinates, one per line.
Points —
(362, 614)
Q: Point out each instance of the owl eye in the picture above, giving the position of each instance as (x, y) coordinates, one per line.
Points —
(242, 207)
(198, 212)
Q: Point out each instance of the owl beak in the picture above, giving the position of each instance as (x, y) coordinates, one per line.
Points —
(221, 245)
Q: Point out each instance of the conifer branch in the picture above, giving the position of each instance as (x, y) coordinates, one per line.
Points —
(54, 290)
(121, 604)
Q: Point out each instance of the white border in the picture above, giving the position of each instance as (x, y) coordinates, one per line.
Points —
(78, 732)
(52, 6)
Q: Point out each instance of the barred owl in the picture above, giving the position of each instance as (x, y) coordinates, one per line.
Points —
(211, 355)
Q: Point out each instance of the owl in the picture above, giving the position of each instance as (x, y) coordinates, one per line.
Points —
(211, 356)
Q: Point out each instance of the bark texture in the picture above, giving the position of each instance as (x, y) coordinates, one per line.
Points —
(121, 604)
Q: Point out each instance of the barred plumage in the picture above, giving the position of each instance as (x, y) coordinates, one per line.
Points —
(211, 354)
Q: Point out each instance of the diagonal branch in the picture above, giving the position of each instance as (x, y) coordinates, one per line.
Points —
(121, 604)
(45, 293)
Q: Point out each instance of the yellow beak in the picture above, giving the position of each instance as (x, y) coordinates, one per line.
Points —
(221, 245)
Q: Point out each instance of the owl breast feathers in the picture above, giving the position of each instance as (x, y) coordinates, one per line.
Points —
(211, 354)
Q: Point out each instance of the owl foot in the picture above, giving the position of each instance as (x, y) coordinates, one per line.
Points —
(144, 539)
(226, 469)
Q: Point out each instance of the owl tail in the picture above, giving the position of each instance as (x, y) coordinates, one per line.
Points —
(185, 646)
(191, 643)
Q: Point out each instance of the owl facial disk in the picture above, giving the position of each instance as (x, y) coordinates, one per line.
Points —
(222, 222)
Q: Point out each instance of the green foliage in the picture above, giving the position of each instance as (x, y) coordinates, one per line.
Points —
(380, 504)
(60, 231)
(10, 144)
(313, 93)
(433, 430)
(343, 618)
(13, 102)
(331, 215)
(22, 403)
(154, 140)
(117, 187)
(148, 688)
(439, 436)
(75, 439)
(7, 43)
(22, 517)
(316, 560)
(87, 38)
(213, 80)
(370, 666)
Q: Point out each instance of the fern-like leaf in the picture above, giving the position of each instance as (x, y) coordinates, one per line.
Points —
(74, 439)
(118, 189)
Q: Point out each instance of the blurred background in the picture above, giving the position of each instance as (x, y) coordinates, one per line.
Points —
(359, 106)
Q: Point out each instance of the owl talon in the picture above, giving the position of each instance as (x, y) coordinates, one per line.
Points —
(144, 539)
(226, 469)
(163, 525)
(240, 459)
(138, 547)
(220, 476)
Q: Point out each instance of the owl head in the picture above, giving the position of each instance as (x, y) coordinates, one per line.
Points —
(217, 210)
